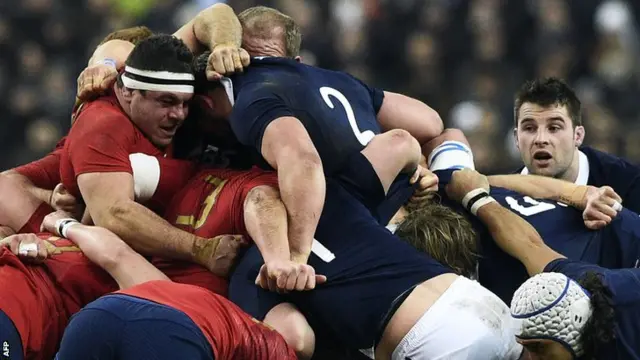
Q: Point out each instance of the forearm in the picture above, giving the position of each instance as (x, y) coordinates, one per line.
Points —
(117, 50)
(148, 233)
(216, 25)
(106, 250)
(302, 187)
(402, 112)
(265, 218)
(543, 187)
(43, 195)
(517, 237)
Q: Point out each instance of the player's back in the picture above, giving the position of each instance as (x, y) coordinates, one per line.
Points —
(560, 226)
(211, 204)
(231, 332)
(338, 111)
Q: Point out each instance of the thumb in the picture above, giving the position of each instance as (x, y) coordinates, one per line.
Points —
(321, 279)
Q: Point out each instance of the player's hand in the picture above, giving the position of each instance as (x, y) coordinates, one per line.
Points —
(602, 207)
(61, 199)
(5, 231)
(218, 254)
(427, 185)
(226, 59)
(287, 275)
(465, 180)
(95, 80)
(29, 247)
(49, 221)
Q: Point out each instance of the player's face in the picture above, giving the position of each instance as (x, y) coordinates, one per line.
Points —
(159, 114)
(214, 120)
(544, 350)
(547, 141)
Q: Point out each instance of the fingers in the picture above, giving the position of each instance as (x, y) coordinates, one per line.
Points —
(245, 59)
(610, 193)
(595, 224)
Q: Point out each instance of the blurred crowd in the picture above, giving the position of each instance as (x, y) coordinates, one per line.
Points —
(465, 58)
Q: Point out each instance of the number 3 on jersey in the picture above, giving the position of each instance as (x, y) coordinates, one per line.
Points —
(364, 137)
(531, 206)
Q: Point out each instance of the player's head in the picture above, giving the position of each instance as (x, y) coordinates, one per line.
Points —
(560, 319)
(133, 35)
(442, 233)
(268, 32)
(548, 128)
(157, 85)
(210, 100)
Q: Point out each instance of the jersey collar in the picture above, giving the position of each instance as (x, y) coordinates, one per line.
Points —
(583, 169)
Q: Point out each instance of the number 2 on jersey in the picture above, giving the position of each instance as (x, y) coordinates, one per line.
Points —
(364, 137)
(531, 207)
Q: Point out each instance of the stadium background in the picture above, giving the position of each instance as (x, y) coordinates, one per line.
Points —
(465, 58)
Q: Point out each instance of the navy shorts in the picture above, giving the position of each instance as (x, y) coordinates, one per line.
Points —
(9, 339)
(124, 327)
(372, 268)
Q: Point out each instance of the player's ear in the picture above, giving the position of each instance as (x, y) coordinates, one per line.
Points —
(515, 137)
(579, 134)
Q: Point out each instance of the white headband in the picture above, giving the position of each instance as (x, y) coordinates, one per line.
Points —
(133, 78)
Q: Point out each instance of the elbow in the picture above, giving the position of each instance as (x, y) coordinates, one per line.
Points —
(436, 125)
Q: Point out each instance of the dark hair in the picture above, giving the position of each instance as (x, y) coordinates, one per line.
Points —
(203, 85)
(161, 53)
(260, 22)
(442, 233)
(599, 329)
(133, 35)
(549, 92)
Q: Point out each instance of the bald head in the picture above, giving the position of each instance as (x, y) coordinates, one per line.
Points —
(268, 32)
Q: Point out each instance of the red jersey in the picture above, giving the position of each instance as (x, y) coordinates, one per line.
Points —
(231, 332)
(44, 173)
(211, 204)
(100, 141)
(40, 299)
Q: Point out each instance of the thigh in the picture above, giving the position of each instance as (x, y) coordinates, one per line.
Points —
(243, 291)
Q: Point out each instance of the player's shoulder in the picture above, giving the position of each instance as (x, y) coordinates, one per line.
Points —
(609, 164)
(102, 114)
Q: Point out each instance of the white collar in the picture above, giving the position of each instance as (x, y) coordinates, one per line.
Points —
(583, 169)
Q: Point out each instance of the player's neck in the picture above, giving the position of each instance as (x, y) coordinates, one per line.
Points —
(571, 174)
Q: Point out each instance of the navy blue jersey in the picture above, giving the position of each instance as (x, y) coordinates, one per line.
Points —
(338, 111)
(562, 229)
(621, 175)
(624, 286)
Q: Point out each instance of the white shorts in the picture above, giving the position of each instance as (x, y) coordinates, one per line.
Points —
(466, 322)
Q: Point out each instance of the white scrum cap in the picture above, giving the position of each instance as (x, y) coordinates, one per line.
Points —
(551, 306)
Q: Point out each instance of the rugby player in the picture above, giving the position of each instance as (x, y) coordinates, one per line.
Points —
(569, 309)
(549, 135)
(152, 317)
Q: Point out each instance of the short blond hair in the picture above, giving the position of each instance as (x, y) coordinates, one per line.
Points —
(259, 22)
(443, 234)
(133, 35)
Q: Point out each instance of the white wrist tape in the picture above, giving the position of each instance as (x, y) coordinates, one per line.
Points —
(480, 203)
(63, 225)
(471, 194)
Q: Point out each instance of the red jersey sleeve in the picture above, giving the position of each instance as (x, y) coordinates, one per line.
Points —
(44, 173)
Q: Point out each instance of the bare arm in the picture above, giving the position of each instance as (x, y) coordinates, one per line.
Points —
(287, 147)
(402, 112)
(43, 195)
(517, 237)
(215, 25)
(109, 198)
(117, 50)
(543, 187)
(265, 218)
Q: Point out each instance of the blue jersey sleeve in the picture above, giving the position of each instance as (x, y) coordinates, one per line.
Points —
(621, 241)
(377, 95)
(256, 106)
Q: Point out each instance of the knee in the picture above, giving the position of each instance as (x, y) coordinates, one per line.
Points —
(260, 194)
(294, 328)
(402, 142)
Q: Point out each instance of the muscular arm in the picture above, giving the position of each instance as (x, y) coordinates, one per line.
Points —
(543, 187)
(109, 198)
(402, 112)
(517, 237)
(287, 147)
(43, 195)
(213, 26)
(265, 218)
(117, 50)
